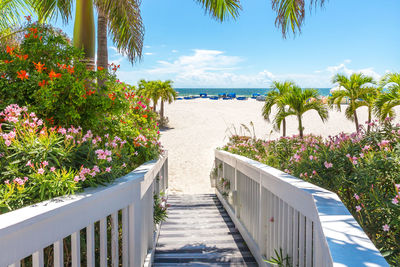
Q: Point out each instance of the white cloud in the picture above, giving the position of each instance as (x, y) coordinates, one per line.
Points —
(214, 68)
(147, 46)
(148, 54)
(174, 51)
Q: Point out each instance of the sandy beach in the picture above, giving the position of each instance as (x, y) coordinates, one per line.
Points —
(198, 126)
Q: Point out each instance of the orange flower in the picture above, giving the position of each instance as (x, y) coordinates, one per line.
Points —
(116, 67)
(63, 66)
(145, 116)
(22, 57)
(39, 66)
(8, 61)
(40, 38)
(112, 96)
(71, 69)
(100, 68)
(90, 92)
(28, 18)
(33, 30)
(10, 50)
(3, 76)
(27, 35)
(52, 75)
(42, 83)
(22, 74)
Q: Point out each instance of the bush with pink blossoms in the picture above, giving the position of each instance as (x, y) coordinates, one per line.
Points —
(39, 163)
(362, 168)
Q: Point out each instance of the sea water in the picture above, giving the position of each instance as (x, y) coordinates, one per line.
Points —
(238, 91)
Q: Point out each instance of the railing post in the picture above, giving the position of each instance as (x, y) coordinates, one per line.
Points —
(135, 229)
(262, 219)
(235, 192)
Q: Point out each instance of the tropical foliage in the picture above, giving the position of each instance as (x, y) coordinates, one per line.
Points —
(293, 101)
(386, 102)
(276, 97)
(362, 168)
(357, 88)
(157, 91)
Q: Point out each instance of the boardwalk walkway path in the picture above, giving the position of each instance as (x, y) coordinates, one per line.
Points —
(199, 232)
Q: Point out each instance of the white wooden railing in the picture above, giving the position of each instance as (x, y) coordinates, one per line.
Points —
(274, 210)
(122, 211)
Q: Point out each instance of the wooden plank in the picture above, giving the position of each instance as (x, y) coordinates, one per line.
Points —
(295, 238)
(90, 255)
(114, 240)
(309, 240)
(38, 259)
(58, 248)
(103, 242)
(206, 245)
(302, 235)
(75, 249)
(125, 237)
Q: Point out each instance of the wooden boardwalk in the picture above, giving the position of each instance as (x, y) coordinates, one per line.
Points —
(199, 232)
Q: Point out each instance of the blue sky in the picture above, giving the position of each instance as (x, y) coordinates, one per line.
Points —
(185, 45)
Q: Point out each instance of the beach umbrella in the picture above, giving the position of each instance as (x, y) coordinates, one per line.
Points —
(336, 88)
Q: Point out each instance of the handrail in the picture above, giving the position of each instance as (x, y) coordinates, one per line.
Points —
(274, 210)
(27, 231)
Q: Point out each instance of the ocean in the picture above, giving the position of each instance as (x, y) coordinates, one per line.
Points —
(238, 91)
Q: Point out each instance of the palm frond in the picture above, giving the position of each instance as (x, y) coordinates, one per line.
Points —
(52, 9)
(220, 9)
(125, 25)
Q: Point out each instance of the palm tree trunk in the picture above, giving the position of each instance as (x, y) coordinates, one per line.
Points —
(162, 110)
(300, 127)
(102, 49)
(154, 105)
(284, 127)
(356, 120)
(369, 118)
(84, 30)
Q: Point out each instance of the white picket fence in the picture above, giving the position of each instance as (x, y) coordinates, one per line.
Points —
(127, 204)
(274, 210)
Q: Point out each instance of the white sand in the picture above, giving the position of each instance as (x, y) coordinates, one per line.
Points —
(199, 126)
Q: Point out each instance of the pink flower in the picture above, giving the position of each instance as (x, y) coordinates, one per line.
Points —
(62, 131)
(8, 142)
(69, 136)
(109, 159)
(108, 169)
(7, 181)
(123, 165)
(40, 171)
(29, 163)
(386, 228)
(52, 169)
(76, 179)
(348, 155)
(356, 196)
(45, 163)
(96, 169)
(395, 201)
(358, 208)
(314, 172)
(328, 165)
(311, 157)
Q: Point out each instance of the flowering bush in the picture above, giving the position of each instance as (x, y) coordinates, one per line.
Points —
(49, 75)
(362, 168)
(160, 208)
(39, 163)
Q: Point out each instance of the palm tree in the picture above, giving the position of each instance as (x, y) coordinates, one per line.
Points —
(299, 101)
(149, 90)
(166, 93)
(356, 89)
(387, 101)
(275, 97)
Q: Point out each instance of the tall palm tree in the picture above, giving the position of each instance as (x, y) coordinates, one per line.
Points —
(299, 101)
(370, 95)
(167, 94)
(356, 89)
(387, 101)
(275, 97)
